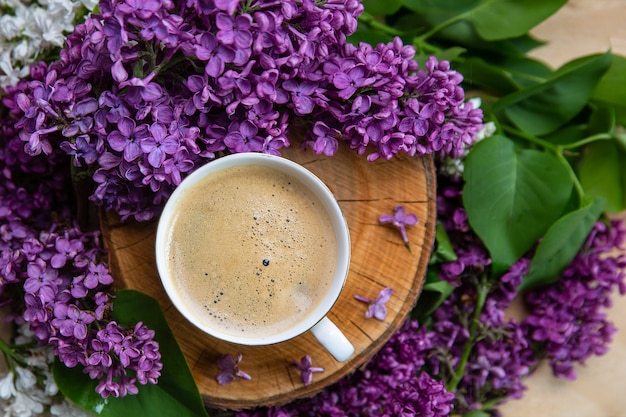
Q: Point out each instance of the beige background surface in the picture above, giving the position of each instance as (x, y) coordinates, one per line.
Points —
(580, 28)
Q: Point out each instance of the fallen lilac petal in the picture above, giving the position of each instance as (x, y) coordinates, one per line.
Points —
(230, 369)
(306, 368)
(224, 378)
(364, 299)
(377, 307)
(400, 220)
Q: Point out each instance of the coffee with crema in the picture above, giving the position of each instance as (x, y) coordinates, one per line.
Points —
(252, 250)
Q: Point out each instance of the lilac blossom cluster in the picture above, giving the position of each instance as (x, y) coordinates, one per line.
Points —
(569, 318)
(471, 323)
(53, 275)
(144, 92)
(565, 322)
(392, 384)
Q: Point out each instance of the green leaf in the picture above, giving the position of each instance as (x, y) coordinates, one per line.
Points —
(560, 244)
(525, 71)
(369, 36)
(449, 54)
(434, 292)
(602, 120)
(601, 173)
(567, 134)
(176, 393)
(620, 140)
(502, 75)
(622, 155)
(444, 252)
(77, 386)
(437, 11)
(492, 19)
(525, 43)
(544, 107)
(493, 78)
(512, 196)
(463, 34)
(382, 7)
(611, 89)
(502, 19)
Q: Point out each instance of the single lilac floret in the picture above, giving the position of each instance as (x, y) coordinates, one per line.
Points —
(306, 368)
(377, 307)
(400, 219)
(229, 368)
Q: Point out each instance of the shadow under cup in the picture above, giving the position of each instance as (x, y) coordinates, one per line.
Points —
(315, 319)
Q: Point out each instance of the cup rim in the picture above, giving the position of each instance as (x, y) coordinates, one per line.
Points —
(314, 184)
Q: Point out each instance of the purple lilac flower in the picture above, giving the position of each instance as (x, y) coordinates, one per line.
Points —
(229, 369)
(81, 149)
(392, 381)
(326, 139)
(158, 145)
(216, 54)
(71, 321)
(568, 317)
(377, 307)
(287, 63)
(565, 322)
(40, 275)
(351, 80)
(141, 9)
(243, 137)
(234, 30)
(422, 396)
(80, 116)
(306, 368)
(301, 93)
(53, 276)
(400, 219)
(127, 138)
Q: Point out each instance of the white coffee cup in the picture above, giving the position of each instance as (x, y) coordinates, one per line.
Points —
(316, 320)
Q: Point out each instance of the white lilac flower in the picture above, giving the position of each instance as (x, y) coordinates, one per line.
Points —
(68, 409)
(24, 334)
(46, 30)
(30, 31)
(488, 129)
(21, 395)
(24, 405)
(25, 380)
(7, 387)
(31, 390)
(10, 26)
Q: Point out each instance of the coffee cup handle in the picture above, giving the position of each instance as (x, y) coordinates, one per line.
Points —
(333, 340)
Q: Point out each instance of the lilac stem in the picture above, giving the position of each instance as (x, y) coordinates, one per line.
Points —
(483, 290)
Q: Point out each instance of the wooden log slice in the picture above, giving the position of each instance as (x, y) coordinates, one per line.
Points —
(364, 191)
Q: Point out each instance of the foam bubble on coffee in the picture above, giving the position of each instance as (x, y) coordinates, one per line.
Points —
(252, 250)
